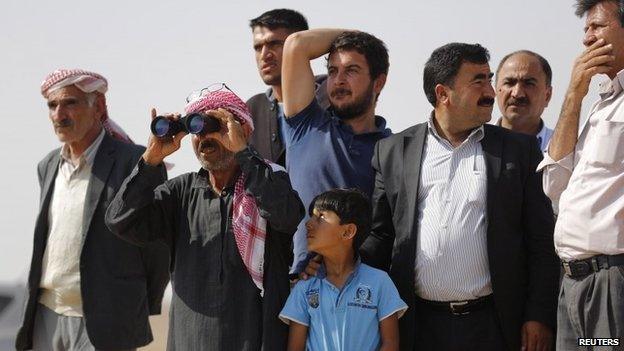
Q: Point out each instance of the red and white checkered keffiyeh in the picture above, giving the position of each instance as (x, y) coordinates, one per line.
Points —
(222, 99)
(249, 228)
(249, 232)
(88, 82)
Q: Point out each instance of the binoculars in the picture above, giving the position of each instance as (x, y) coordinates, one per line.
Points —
(195, 123)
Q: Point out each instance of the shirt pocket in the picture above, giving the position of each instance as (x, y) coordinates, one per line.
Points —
(477, 188)
(606, 149)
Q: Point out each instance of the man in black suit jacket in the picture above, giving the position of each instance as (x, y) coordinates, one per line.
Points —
(87, 289)
(461, 222)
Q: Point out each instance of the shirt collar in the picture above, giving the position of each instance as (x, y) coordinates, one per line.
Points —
(269, 95)
(322, 271)
(612, 87)
(476, 135)
(380, 124)
(88, 156)
(203, 181)
(269, 92)
(540, 134)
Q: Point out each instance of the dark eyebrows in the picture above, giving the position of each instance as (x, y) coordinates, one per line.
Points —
(482, 76)
(355, 65)
(64, 101)
(529, 80)
(268, 42)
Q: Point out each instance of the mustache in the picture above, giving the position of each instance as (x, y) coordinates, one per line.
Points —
(486, 101)
(63, 123)
(209, 143)
(339, 91)
(521, 101)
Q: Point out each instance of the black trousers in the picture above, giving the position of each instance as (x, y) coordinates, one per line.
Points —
(443, 331)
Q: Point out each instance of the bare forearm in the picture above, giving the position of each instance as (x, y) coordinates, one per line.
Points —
(566, 132)
(297, 75)
(312, 43)
(594, 60)
(389, 346)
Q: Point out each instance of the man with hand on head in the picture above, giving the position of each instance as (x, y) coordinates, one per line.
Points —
(229, 227)
(87, 289)
(584, 175)
(331, 148)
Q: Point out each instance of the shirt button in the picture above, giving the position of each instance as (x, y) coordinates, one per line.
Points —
(273, 137)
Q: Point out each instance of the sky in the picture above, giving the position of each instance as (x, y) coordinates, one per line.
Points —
(154, 53)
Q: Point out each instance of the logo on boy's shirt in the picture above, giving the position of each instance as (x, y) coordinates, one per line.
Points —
(363, 298)
(363, 294)
(313, 297)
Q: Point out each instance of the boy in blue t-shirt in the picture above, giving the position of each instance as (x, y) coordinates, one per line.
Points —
(348, 305)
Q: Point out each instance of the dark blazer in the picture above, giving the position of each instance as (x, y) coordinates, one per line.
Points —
(121, 284)
(523, 266)
(266, 136)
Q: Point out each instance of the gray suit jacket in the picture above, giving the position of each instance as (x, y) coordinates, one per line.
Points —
(523, 265)
(121, 284)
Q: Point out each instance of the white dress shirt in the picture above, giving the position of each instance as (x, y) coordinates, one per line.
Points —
(60, 277)
(451, 247)
(588, 183)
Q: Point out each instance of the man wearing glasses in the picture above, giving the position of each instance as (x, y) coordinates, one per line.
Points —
(229, 227)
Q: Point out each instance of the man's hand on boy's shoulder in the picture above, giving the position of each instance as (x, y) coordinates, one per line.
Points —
(311, 268)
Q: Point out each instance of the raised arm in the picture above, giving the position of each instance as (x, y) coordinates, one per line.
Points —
(594, 60)
(297, 76)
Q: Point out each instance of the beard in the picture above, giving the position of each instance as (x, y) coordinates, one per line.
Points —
(222, 160)
(357, 107)
(272, 80)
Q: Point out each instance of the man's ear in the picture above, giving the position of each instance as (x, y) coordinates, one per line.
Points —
(350, 231)
(100, 106)
(548, 94)
(379, 83)
(442, 94)
(247, 131)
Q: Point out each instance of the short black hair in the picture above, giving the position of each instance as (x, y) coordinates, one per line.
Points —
(444, 64)
(351, 205)
(373, 49)
(280, 18)
(583, 6)
(543, 62)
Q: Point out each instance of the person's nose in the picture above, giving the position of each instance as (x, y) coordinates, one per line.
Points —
(309, 224)
(56, 113)
(517, 91)
(266, 53)
(589, 38)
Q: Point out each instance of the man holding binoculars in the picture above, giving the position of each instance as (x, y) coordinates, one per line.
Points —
(229, 227)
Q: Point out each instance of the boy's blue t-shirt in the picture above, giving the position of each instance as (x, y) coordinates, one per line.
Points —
(346, 319)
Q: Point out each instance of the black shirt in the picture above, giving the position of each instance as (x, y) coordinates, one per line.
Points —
(215, 304)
